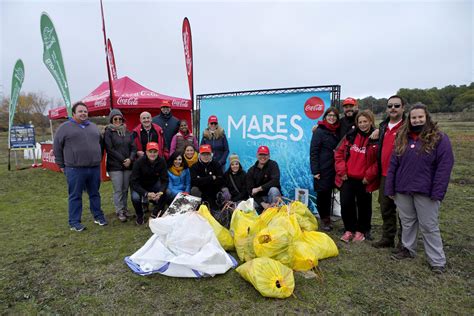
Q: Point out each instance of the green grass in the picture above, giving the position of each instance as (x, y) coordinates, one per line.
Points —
(45, 268)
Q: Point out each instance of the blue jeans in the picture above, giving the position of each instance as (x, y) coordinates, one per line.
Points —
(79, 180)
(272, 196)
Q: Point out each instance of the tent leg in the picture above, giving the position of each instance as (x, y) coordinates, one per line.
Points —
(9, 165)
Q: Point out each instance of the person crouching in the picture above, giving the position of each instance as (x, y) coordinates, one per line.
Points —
(149, 181)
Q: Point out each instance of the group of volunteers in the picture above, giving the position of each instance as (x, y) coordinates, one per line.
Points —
(407, 158)
(158, 159)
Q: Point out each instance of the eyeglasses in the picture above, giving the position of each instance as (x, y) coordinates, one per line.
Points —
(213, 123)
(397, 105)
(117, 119)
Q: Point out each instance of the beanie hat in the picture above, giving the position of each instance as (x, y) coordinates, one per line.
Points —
(234, 157)
(115, 112)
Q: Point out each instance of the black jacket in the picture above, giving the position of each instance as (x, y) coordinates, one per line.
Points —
(202, 177)
(240, 193)
(118, 149)
(323, 143)
(170, 126)
(267, 177)
(347, 124)
(146, 173)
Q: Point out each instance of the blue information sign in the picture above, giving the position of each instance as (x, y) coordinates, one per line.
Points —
(22, 136)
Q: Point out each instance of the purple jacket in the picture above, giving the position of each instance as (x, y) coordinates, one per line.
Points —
(422, 173)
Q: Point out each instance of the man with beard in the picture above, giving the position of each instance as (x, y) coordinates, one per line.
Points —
(168, 123)
(351, 109)
(388, 130)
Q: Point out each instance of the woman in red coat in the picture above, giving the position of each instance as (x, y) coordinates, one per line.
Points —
(356, 176)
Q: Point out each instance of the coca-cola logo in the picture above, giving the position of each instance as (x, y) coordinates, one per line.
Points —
(127, 101)
(48, 156)
(100, 103)
(187, 50)
(180, 103)
(314, 108)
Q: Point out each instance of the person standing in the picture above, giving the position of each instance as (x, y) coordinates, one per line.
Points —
(214, 135)
(179, 176)
(78, 153)
(356, 176)
(417, 180)
(206, 177)
(323, 142)
(348, 123)
(168, 123)
(263, 180)
(121, 152)
(149, 181)
(146, 132)
(388, 130)
(183, 138)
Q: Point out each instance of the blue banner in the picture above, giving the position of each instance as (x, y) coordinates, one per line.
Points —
(22, 136)
(283, 122)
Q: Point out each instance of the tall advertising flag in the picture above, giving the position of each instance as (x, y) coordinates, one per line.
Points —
(17, 81)
(188, 55)
(53, 59)
(111, 59)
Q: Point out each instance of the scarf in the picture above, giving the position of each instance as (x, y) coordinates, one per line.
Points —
(330, 127)
(119, 129)
(183, 134)
(176, 170)
(191, 161)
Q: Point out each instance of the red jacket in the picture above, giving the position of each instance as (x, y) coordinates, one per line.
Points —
(163, 151)
(357, 159)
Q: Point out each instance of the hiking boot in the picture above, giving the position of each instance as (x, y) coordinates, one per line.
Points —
(140, 220)
(438, 269)
(368, 235)
(326, 224)
(402, 254)
(101, 222)
(121, 216)
(77, 227)
(127, 214)
(384, 243)
(398, 248)
(358, 237)
(347, 236)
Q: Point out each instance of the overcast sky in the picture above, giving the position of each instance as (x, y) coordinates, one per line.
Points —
(369, 48)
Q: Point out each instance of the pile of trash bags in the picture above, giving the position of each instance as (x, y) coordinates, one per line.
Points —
(272, 245)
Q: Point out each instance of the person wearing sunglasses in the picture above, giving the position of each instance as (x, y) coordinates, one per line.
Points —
(214, 135)
(121, 152)
(350, 108)
(387, 132)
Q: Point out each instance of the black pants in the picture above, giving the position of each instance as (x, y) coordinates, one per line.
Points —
(388, 210)
(323, 203)
(356, 206)
(138, 201)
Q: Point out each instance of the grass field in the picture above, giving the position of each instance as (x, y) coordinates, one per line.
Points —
(45, 268)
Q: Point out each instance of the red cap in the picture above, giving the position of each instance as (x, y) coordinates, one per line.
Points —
(350, 101)
(152, 145)
(263, 150)
(206, 148)
(212, 119)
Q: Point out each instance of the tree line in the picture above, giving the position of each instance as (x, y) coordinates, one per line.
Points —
(448, 99)
(32, 106)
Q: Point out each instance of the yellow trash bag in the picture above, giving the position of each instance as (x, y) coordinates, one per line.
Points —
(304, 257)
(243, 227)
(305, 218)
(288, 222)
(271, 241)
(269, 214)
(322, 244)
(269, 277)
(222, 234)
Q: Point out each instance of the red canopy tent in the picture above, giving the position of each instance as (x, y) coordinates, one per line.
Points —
(131, 99)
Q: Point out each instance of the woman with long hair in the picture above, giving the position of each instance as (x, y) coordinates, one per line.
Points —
(417, 180)
(357, 177)
(178, 175)
(121, 152)
(323, 142)
(235, 181)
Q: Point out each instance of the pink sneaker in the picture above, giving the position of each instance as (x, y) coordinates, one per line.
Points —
(347, 236)
(358, 237)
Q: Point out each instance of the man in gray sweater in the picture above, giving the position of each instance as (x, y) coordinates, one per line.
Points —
(78, 152)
